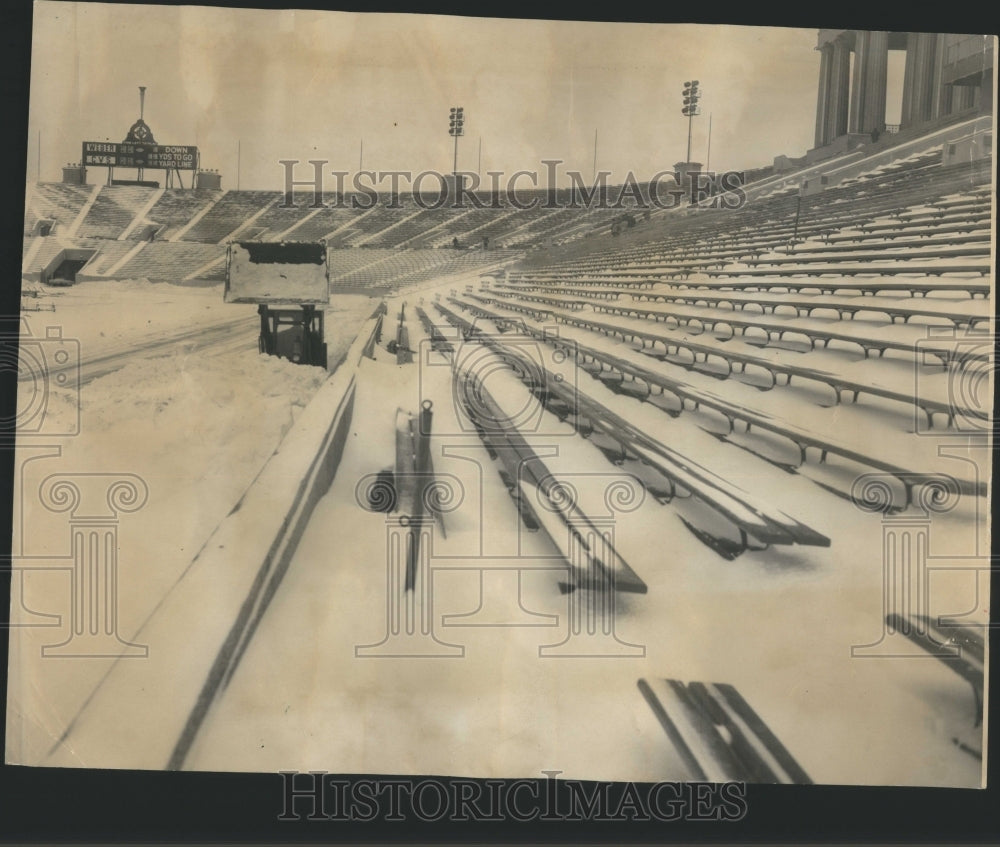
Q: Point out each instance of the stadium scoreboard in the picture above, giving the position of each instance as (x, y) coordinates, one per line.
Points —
(131, 155)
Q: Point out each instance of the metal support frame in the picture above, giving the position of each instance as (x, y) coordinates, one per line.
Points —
(307, 345)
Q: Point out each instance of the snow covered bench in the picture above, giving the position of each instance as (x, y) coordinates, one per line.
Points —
(915, 287)
(947, 354)
(753, 518)
(870, 233)
(804, 307)
(942, 206)
(935, 223)
(803, 439)
(718, 735)
(905, 267)
(961, 648)
(892, 251)
(590, 293)
(922, 239)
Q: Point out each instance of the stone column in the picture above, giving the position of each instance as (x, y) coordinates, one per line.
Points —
(927, 68)
(840, 82)
(911, 56)
(918, 82)
(870, 68)
(823, 96)
(876, 71)
(857, 83)
(937, 88)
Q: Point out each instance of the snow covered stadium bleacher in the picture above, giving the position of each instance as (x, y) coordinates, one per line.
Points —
(791, 393)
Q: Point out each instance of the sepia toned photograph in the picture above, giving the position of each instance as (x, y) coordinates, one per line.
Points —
(503, 399)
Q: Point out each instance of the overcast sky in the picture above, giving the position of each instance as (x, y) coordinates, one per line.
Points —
(310, 84)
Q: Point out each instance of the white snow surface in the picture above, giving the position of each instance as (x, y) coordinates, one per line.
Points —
(778, 624)
(195, 426)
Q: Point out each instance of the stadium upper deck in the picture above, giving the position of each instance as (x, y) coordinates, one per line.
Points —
(179, 235)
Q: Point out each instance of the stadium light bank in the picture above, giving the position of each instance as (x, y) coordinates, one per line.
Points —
(519, 190)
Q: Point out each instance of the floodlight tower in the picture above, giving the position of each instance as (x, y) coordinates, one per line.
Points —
(692, 94)
(142, 111)
(455, 129)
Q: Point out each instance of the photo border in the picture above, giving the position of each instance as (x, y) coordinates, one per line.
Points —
(57, 805)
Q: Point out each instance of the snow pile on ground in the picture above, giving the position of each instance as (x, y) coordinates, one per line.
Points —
(206, 416)
(197, 432)
(195, 426)
(116, 314)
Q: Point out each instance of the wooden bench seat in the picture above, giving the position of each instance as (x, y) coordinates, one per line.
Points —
(979, 227)
(981, 268)
(738, 362)
(947, 354)
(754, 519)
(686, 394)
(803, 307)
(915, 287)
(982, 238)
(961, 648)
(944, 251)
(718, 735)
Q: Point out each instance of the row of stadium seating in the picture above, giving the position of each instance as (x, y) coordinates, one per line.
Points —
(427, 228)
(909, 219)
(113, 211)
(56, 202)
(233, 209)
(386, 270)
(371, 271)
(175, 209)
(876, 316)
(213, 217)
(686, 239)
(162, 260)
